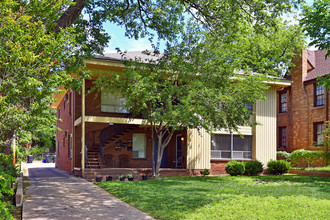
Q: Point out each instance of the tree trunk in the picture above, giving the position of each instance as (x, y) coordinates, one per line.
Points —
(153, 151)
(160, 149)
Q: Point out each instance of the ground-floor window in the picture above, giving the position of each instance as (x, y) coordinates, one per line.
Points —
(139, 146)
(229, 146)
(318, 133)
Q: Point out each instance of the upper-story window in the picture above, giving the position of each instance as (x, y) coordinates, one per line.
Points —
(318, 95)
(112, 102)
(283, 102)
(59, 113)
(318, 133)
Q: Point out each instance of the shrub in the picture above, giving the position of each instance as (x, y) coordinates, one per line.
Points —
(283, 154)
(278, 167)
(205, 172)
(302, 157)
(253, 167)
(235, 168)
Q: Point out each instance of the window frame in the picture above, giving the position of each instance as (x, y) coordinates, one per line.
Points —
(315, 132)
(145, 146)
(70, 145)
(116, 112)
(316, 86)
(280, 137)
(282, 103)
(232, 151)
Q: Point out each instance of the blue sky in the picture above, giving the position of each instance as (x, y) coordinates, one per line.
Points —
(118, 39)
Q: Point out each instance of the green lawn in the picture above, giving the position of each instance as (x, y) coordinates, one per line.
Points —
(262, 197)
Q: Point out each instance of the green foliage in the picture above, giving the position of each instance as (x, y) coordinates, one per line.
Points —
(205, 172)
(316, 19)
(301, 157)
(8, 175)
(283, 154)
(253, 167)
(235, 168)
(33, 65)
(37, 152)
(278, 167)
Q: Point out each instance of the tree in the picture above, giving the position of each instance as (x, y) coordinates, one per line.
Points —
(316, 19)
(32, 67)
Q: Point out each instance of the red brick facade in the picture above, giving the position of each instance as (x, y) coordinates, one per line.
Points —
(302, 114)
(69, 110)
(65, 123)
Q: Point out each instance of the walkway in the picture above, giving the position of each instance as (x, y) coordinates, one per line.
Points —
(53, 194)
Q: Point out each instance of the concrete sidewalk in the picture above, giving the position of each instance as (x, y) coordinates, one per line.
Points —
(53, 194)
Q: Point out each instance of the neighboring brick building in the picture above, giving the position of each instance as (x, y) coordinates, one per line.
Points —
(303, 108)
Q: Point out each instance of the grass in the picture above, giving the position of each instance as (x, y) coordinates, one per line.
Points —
(261, 197)
(319, 169)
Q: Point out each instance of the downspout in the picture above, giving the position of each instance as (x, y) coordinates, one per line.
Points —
(83, 129)
(327, 107)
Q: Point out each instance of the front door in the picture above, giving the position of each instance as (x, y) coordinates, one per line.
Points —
(163, 163)
(179, 155)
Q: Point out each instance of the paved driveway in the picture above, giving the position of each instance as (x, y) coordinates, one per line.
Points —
(53, 194)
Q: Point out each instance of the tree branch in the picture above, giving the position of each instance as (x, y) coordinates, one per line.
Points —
(70, 15)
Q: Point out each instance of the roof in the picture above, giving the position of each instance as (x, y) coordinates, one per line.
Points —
(320, 65)
(129, 56)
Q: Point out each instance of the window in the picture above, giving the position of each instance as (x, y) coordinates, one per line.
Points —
(70, 146)
(249, 107)
(58, 148)
(282, 137)
(139, 146)
(318, 95)
(70, 103)
(112, 102)
(231, 147)
(283, 102)
(318, 133)
(59, 113)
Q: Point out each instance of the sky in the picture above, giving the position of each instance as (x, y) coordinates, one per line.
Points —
(118, 39)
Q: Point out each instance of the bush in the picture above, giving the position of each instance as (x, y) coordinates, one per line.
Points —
(253, 167)
(235, 168)
(283, 154)
(302, 157)
(205, 172)
(278, 167)
(8, 174)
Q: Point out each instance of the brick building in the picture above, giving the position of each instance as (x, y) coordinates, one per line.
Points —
(303, 107)
(98, 136)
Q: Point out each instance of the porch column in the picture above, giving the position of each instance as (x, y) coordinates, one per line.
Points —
(83, 129)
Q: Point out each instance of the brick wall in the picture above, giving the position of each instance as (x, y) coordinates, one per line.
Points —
(301, 113)
(65, 124)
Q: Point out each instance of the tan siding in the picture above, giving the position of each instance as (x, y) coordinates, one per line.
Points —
(265, 136)
(243, 130)
(198, 149)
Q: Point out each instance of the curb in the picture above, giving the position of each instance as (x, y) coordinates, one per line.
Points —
(19, 191)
